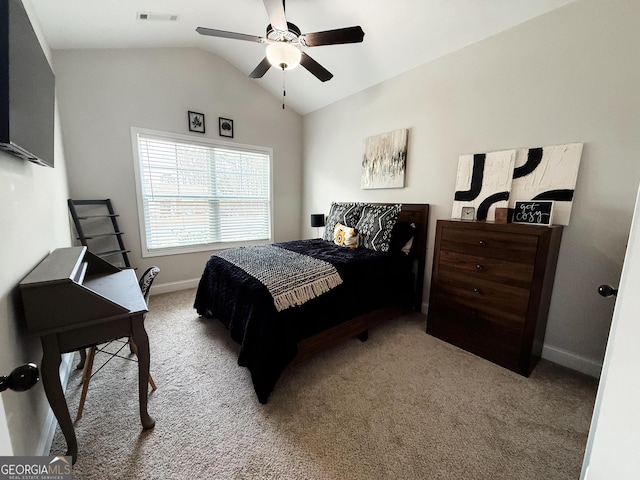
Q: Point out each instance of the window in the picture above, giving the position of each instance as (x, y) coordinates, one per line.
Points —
(196, 193)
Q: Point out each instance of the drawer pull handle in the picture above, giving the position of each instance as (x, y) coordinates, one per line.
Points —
(477, 291)
(479, 267)
(482, 242)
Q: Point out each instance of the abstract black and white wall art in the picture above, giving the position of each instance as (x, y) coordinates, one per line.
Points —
(547, 173)
(483, 182)
(384, 160)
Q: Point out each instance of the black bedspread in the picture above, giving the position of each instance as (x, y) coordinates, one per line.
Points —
(268, 338)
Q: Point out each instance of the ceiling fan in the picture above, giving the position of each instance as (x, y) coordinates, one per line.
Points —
(284, 42)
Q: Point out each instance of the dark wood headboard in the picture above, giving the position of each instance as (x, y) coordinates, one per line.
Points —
(418, 214)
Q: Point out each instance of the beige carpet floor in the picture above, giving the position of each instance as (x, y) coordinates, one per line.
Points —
(403, 405)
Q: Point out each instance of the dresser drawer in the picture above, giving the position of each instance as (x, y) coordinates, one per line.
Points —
(486, 268)
(449, 297)
(477, 333)
(483, 295)
(515, 247)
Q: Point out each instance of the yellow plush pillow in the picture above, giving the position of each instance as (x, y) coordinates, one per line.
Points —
(345, 236)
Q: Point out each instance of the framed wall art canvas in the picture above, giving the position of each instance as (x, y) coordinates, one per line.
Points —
(196, 122)
(483, 182)
(384, 160)
(225, 127)
(550, 174)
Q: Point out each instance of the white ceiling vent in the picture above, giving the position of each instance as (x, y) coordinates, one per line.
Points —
(157, 17)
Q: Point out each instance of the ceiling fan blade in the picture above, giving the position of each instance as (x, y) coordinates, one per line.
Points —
(275, 11)
(261, 69)
(224, 34)
(334, 37)
(315, 68)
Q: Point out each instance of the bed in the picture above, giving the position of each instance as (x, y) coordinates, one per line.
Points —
(334, 293)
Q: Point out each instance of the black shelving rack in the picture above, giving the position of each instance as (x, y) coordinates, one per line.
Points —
(97, 228)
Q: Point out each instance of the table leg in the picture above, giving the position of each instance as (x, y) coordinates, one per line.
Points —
(141, 340)
(50, 371)
(83, 359)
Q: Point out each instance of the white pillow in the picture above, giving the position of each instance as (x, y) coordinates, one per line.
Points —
(345, 236)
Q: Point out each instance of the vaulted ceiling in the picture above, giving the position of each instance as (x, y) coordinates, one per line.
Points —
(399, 35)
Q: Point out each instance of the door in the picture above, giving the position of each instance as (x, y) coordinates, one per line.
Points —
(5, 441)
(613, 447)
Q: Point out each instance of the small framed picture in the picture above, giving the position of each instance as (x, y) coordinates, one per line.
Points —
(225, 127)
(196, 122)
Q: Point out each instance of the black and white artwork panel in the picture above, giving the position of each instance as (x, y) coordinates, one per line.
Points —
(547, 173)
(483, 182)
(384, 160)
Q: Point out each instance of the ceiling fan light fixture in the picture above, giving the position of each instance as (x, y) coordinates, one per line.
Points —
(283, 55)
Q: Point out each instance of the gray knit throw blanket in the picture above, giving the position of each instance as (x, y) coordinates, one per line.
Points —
(291, 278)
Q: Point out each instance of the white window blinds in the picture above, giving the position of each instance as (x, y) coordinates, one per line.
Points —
(202, 193)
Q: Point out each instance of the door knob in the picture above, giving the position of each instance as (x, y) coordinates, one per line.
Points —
(607, 290)
(21, 378)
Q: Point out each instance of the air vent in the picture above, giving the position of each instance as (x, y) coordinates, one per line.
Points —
(156, 17)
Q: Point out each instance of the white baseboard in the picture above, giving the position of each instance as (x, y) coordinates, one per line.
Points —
(50, 423)
(571, 360)
(173, 286)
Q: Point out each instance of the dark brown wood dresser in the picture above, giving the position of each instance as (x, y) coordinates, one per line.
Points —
(491, 288)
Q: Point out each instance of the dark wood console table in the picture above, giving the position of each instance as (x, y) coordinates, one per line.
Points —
(73, 300)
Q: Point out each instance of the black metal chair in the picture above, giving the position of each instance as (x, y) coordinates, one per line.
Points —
(113, 348)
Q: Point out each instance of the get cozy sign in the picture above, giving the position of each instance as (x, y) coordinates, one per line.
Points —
(538, 213)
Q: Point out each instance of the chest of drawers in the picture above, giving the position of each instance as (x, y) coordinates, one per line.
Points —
(491, 288)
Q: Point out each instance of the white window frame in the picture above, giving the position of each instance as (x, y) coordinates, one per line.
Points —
(191, 139)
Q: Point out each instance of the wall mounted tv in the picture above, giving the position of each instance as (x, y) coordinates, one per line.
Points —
(27, 88)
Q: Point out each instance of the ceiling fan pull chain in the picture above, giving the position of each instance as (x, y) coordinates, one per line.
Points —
(284, 91)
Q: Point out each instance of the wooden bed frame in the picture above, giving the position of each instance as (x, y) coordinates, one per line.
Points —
(416, 213)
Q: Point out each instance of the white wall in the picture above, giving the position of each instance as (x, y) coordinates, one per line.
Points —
(572, 75)
(103, 93)
(34, 220)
